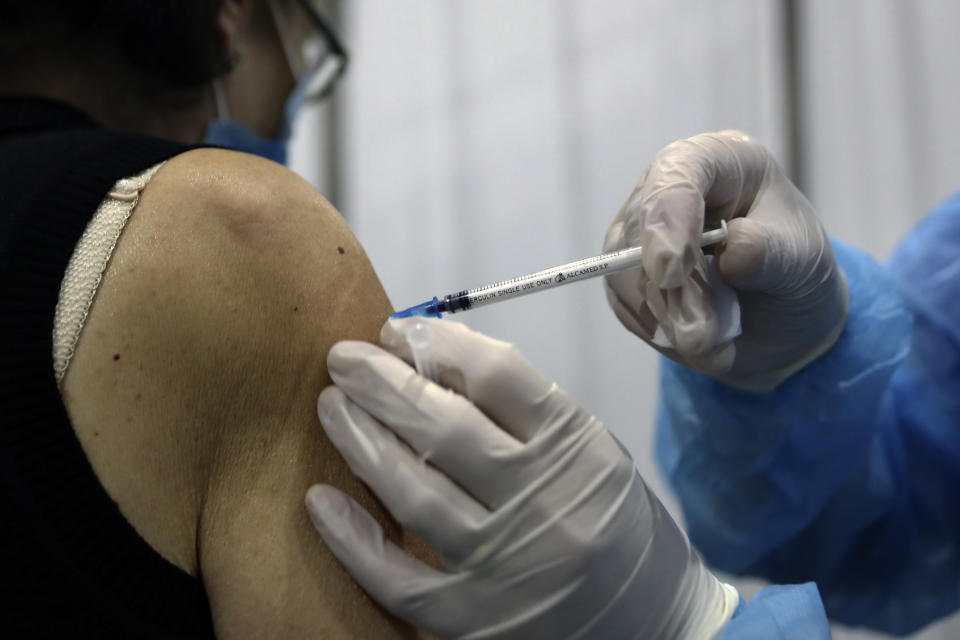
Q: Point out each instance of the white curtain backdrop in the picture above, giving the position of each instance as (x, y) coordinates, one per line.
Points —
(880, 109)
(483, 140)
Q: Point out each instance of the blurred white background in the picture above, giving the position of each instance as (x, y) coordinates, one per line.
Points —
(474, 141)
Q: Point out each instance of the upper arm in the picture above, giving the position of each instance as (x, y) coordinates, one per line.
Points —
(199, 369)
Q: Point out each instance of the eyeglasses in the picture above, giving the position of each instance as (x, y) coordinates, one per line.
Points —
(312, 49)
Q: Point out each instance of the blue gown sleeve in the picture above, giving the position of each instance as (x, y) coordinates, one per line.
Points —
(847, 474)
(792, 612)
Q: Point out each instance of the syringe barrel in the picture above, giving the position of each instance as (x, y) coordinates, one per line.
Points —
(455, 302)
(564, 274)
(546, 279)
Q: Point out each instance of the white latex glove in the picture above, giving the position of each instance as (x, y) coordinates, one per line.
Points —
(793, 298)
(544, 524)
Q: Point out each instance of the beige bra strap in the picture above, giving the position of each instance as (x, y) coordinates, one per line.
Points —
(88, 264)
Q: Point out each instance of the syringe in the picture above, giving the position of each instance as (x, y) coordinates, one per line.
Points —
(541, 280)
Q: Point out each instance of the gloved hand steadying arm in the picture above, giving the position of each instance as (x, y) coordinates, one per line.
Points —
(793, 297)
(544, 525)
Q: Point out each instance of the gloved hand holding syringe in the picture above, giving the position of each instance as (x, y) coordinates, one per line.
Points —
(601, 265)
(542, 524)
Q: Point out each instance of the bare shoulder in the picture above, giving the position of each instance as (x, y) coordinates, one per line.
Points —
(194, 385)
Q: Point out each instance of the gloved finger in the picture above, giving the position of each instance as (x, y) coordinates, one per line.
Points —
(741, 260)
(709, 176)
(774, 250)
(402, 584)
(668, 225)
(419, 496)
(490, 373)
(441, 426)
(626, 297)
(626, 290)
(685, 314)
(687, 317)
(615, 239)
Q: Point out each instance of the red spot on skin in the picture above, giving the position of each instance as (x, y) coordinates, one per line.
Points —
(116, 357)
(340, 250)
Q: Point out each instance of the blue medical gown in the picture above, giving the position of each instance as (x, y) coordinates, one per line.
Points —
(847, 474)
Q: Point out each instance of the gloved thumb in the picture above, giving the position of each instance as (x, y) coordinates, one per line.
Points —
(741, 260)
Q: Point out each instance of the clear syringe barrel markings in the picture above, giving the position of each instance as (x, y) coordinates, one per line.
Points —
(564, 274)
(546, 279)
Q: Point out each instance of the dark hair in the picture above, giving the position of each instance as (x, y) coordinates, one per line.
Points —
(172, 40)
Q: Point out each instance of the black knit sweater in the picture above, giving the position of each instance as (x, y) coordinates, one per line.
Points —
(71, 565)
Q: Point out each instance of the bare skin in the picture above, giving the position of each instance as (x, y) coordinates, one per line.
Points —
(194, 385)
